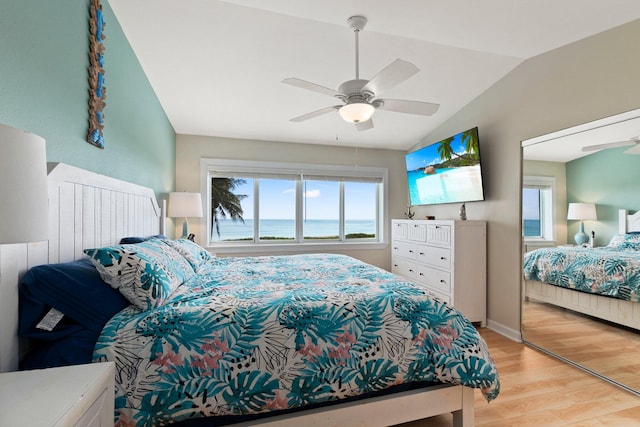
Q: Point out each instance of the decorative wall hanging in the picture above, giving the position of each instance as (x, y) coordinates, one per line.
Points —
(97, 90)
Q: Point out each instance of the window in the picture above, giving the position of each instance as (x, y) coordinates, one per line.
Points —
(537, 207)
(264, 204)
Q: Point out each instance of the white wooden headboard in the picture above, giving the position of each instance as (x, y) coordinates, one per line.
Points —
(86, 210)
(627, 223)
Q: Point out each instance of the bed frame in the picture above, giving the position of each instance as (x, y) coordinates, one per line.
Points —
(87, 209)
(622, 312)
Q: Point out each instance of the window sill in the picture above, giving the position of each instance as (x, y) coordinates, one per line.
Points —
(245, 248)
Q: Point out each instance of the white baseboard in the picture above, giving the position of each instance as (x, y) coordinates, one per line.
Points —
(512, 334)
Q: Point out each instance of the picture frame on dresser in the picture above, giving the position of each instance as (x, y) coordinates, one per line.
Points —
(447, 257)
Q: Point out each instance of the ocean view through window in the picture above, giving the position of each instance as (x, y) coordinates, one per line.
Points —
(261, 203)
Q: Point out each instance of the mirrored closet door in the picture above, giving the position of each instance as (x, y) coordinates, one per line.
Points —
(595, 164)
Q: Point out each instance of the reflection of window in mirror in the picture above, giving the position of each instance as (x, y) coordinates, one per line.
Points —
(537, 210)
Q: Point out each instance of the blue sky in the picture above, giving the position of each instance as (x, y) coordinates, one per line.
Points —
(277, 200)
(530, 204)
(429, 155)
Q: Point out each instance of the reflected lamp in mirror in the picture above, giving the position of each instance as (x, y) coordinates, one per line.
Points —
(582, 212)
(185, 205)
(24, 204)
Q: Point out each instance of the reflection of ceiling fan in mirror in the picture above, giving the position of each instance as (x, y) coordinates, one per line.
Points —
(360, 97)
(635, 141)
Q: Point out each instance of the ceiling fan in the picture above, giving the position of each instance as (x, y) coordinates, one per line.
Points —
(360, 98)
(635, 141)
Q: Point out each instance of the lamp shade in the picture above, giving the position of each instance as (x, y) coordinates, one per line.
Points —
(582, 211)
(24, 205)
(185, 205)
(356, 112)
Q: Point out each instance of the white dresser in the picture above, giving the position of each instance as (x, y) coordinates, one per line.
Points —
(448, 257)
(81, 396)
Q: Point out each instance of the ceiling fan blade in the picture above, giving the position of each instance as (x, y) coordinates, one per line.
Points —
(608, 145)
(362, 126)
(316, 113)
(411, 107)
(392, 75)
(312, 87)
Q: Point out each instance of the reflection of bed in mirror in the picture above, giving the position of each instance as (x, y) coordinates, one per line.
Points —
(613, 270)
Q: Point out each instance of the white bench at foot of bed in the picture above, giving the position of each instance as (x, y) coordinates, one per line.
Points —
(622, 312)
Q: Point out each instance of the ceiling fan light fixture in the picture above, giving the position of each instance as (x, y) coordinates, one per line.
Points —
(356, 112)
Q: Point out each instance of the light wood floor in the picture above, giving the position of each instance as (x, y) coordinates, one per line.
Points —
(614, 352)
(540, 390)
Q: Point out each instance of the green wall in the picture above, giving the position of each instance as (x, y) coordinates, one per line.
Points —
(608, 178)
(44, 90)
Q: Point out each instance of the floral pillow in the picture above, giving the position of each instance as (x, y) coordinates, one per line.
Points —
(146, 273)
(625, 241)
(192, 252)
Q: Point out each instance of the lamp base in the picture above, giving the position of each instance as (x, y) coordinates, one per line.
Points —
(581, 237)
(185, 229)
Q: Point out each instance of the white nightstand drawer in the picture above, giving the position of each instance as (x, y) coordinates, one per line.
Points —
(438, 234)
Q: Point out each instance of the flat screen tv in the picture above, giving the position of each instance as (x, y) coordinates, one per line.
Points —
(448, 171)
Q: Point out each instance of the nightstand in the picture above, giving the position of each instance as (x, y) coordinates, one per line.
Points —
(81, 395)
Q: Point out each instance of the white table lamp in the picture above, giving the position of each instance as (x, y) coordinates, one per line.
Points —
(582, 212)
(185, 205)
(24, 206)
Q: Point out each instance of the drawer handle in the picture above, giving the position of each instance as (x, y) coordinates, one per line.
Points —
(395, 265)
(420, 274)
(410, 251)
(410, 271)
(421, 253)
(443, 258)
(395, 248)
(442, 281)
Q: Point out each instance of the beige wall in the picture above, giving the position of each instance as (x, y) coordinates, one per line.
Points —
(590, 79)
(189, 150)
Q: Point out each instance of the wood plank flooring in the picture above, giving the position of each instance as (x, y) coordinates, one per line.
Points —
(610, 350)
(542, 391)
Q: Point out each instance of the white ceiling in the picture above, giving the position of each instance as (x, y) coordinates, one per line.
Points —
(217, 66)
(566, 144)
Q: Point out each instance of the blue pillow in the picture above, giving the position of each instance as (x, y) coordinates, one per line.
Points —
(73, 288)
(134, 239)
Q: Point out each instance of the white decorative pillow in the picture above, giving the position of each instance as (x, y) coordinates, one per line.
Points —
(191, 251)
(145, 273)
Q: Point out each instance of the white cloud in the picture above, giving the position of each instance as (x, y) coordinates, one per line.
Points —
(312, 194)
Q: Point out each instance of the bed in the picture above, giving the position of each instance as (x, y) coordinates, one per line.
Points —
(601, 282)
(188, 342)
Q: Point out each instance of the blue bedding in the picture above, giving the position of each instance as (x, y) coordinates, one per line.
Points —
(261, 334)
(613, 271)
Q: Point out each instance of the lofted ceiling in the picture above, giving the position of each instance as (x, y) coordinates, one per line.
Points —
(217, 66)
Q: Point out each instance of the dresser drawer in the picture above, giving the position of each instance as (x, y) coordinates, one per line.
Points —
(417, 232)
(404, 249)
(404, 268)
(399, 230)
(437, 279)
(438, 234)
(437, 257)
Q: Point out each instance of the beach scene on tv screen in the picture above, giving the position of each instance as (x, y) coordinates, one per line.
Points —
(446, 172)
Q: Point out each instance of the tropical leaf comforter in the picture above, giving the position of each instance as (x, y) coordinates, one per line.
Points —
(251, 335)
(610, 271)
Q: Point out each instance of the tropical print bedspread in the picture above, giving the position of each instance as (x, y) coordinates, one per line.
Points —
(250, 335)
(606, 271)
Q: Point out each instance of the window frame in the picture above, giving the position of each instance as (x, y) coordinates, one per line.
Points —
(547, 187)
(264, 169)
